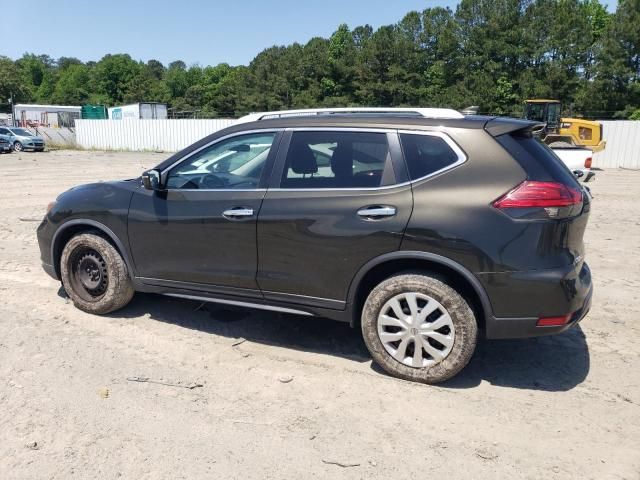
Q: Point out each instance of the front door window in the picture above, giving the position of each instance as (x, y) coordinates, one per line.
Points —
(234, 163)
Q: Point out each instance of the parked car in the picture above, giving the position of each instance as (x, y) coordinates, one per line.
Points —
(23, 139)
(578, 160)
(420, 226)
(5, 144)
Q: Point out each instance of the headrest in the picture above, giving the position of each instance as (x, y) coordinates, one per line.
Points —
(342, 160)
(303, 161)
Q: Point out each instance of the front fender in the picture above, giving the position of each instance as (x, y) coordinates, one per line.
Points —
(67, 229)
(99, 206)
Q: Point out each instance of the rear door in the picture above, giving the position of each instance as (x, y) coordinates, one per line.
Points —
(337, 199)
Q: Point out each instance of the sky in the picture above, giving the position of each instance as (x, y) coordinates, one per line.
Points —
(195, 31)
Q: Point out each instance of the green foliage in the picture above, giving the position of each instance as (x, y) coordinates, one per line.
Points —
(11, 80)
(492, 53)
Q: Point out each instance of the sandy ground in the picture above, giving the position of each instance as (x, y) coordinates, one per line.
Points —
(559, 407)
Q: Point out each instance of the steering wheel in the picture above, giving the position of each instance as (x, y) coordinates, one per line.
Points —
(211, 181)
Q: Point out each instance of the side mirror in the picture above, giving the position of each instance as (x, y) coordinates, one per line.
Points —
(151, 180)
(578, 173)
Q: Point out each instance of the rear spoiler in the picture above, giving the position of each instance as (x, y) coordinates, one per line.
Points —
(503, 125)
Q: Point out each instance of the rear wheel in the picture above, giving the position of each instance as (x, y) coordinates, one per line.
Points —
(94, 274)
(18, 147)
(419, 328)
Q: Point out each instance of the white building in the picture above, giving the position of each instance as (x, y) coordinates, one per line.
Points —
(144, 111)
(46, 115)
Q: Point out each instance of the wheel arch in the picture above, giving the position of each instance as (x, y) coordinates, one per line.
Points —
(73, 227)
(389, 264)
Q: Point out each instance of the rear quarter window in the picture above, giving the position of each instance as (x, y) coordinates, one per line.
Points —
(426, 154)
(536, 158)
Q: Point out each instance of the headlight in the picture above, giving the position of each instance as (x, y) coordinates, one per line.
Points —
(50, 205)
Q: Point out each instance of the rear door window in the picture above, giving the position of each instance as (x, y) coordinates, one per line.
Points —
(337, 159)
(427, 154)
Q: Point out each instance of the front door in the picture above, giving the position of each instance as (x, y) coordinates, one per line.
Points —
(202, 228)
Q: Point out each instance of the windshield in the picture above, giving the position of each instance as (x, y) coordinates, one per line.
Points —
(535, 111)
(21, 132)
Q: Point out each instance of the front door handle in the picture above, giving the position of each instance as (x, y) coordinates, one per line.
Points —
(377, 212)
(237, 212)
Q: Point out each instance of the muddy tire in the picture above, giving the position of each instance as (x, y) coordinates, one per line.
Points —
(95, 275)
(419, 328)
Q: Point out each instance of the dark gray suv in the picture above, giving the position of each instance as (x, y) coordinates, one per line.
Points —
(423, 227)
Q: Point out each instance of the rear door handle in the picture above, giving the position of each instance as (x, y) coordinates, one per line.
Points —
(377, 212)
(237, 212)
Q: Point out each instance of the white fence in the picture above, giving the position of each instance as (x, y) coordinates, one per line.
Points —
(623, 145)
(138, 135)
(623, 137)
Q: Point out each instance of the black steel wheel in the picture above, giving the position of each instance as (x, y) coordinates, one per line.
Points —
(94, 274)
(90, 277)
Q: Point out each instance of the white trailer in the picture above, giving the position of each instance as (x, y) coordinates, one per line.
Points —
(144, 111)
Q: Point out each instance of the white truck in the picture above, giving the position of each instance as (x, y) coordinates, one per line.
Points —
(578, 160)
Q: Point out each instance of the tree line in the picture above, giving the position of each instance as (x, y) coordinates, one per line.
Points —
(490, 53)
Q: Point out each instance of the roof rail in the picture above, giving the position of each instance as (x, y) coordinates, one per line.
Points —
(423, 112)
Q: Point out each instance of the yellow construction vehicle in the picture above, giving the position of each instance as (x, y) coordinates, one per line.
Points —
(564, 132)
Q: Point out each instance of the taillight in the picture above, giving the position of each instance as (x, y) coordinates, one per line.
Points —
(587, 162)
(531, 194)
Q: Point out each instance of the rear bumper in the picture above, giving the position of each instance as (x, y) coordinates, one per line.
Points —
(527, 327)
(537, 294)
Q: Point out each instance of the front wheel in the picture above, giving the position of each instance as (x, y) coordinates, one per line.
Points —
(94, 274)
(419, 328)
(18, 147)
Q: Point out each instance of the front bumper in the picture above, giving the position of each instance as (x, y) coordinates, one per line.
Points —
(44, 234)
(520, 299)
(51, 271)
